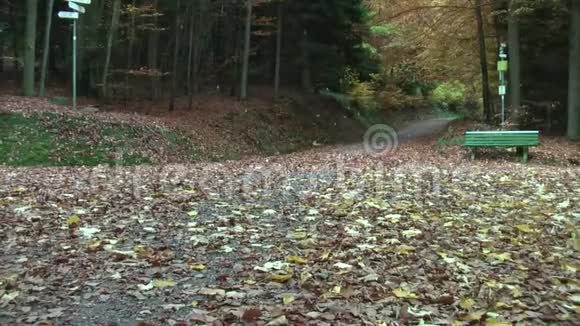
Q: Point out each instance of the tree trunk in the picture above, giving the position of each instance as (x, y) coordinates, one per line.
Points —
(153, 56)
(483, 62)
(46, 50)
(306, 77)
(515, 69)
(94, 61)
(110, 38)
(175, 58)
(130, 48)
(192, 20)
(574, 78)
(246, 57)
(30, 47)
(278, 50)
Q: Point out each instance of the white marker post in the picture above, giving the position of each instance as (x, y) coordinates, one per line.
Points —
(74, 15)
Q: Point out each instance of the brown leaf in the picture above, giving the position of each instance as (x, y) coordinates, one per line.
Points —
(251, 315)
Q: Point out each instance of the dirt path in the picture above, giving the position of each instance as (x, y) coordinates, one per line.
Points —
(414, 130)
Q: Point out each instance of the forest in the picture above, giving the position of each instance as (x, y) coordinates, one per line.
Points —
(289, 162)
(382, 55)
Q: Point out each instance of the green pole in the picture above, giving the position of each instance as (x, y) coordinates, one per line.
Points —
(74, 79)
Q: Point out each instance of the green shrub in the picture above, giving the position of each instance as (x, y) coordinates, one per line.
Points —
(450, 95)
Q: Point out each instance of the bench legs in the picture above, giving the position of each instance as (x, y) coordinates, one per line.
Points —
(473, 151)
(523, 151)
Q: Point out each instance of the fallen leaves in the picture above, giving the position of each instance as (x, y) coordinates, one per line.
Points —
(404, 294)
(296, 260)
(73, 220)
(281, 278)
(471, 251)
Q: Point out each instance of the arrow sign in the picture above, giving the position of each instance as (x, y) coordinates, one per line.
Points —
(76, 7)
(82, 2)
(68, 15)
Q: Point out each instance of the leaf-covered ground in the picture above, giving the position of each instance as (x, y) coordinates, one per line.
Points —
(318, 239)
(57, 139)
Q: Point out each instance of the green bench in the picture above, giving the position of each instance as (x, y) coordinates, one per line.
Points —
(519, 139)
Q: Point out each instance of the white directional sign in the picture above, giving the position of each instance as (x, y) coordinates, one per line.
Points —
(82, 2)
(76, 7)
(68, 15)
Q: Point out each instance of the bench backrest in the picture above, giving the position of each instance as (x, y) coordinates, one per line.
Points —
(502, 138)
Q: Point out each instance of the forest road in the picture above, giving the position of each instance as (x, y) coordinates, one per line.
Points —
(385, 135)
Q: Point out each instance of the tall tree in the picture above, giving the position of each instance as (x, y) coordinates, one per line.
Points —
(46, 50)
(192, 20)
(246, 55)
(30, 47)
(278, 49)
(175, 57)
(153, 53)
(110, 37)
(306, 75)
(514, 55)
(483, 61)
(574, 79)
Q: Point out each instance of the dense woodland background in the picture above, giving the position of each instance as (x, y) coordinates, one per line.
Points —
(372, 56)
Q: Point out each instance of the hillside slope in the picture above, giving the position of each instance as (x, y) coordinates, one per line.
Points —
(38, 132)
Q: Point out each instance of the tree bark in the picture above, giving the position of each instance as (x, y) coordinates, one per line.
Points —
(573, 131)
(278, 50)
(246, 56)
(175, 58)
(153, 56)
(30, 47)
(515, 69)
(306, 76)
(483, 62)
(110, 38)
(192, 20)
(46, 50)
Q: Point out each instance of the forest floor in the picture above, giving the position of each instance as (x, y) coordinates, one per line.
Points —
(331, 235)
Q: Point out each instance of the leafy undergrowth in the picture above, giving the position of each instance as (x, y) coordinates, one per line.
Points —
(278, 241)
(53, 139)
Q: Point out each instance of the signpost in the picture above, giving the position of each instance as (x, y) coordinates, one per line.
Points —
(502, 68)
(75, 5)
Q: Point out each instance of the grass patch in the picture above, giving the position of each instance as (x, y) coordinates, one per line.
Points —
(51, 139)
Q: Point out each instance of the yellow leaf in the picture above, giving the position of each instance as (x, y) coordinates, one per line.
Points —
(281, 278)
(299, 235)
(524, 228)
(194, 303)
(74, 220)
(502, 257)
(497, 322)
(405, 249)
(325, 255)
(288, 299)
(297, 260)
(305, 276)
(163, 284)
(188, 191)
(96, 245)
(193, 213)
(473, 316)
(501, 305)
(400, 293)
(467, 303)
(197, 267)
(516, 292)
